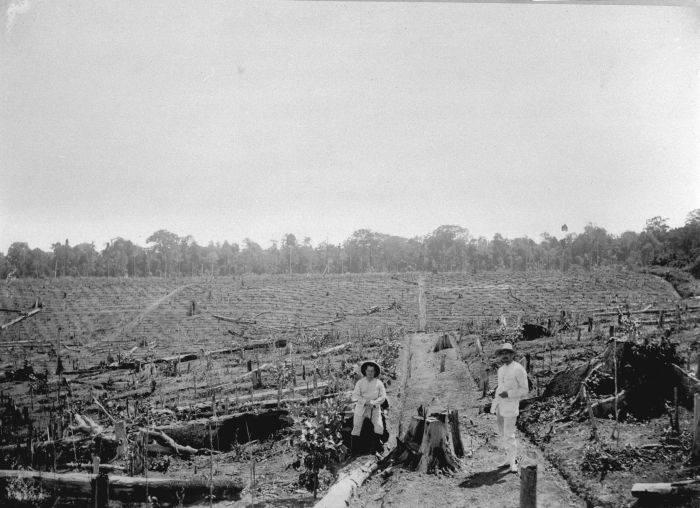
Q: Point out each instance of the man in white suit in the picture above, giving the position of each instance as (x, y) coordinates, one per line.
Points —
(512, 386)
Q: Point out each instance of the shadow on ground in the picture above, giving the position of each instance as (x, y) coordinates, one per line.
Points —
(486, 478)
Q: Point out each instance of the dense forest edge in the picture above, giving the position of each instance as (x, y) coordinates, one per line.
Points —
(448, 248)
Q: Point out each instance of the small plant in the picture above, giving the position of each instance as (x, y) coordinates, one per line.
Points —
(320, 442)
(25, 492)
(599, 459)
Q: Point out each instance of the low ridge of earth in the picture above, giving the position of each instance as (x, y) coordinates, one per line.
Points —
(480, 482)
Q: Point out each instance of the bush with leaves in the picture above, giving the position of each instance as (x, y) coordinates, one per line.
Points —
(388, 356)
(598, 458)
(319, 440)
(21, 492)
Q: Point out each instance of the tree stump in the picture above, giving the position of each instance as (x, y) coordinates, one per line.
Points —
(443, 342)
(437, 449)
(408, 447)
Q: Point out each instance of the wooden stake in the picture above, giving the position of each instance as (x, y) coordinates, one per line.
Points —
(101, 490)
(422, 312)
(528, 486)
(696, 438)
(676, 423)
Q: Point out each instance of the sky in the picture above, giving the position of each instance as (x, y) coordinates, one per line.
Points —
(227, 120)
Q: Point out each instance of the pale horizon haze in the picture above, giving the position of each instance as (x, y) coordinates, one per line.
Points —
(227, 120)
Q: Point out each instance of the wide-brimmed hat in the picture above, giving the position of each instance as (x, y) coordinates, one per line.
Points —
(507, 346)
(377, 369)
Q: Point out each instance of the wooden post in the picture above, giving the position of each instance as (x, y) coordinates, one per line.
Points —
(591, 417)
(442, 362)
(612, 330)
(696, 438)
(676, 423)
(590, 324)
(120, 434)
(101, 490)
(422, 312)
(528, 486)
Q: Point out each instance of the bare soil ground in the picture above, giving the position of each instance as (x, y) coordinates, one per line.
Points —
(568, 444)
(84, 322)
(480, 483)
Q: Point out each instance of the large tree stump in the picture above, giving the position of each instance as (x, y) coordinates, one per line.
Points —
(437, 449)
(443, 342)
(408, 446)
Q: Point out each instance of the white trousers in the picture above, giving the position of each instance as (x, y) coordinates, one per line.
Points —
(506, 431)
(362, 412)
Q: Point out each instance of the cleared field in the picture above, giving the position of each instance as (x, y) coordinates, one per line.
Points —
(255, 349)
(100, 316)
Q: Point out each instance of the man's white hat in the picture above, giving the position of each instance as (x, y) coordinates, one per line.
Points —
(507, 346)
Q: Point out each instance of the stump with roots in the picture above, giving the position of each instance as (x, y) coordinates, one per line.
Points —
(432, 443)
(443, 342)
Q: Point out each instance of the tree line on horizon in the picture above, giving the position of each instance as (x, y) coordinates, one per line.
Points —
(447, 248)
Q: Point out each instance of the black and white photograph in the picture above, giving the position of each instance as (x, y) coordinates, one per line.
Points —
(350, 253)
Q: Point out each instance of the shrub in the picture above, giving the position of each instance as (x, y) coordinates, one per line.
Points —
(320, 443)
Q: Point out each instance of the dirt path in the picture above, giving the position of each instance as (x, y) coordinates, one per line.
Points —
(480, 483)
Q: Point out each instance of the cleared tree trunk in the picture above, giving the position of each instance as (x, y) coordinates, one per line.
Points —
(341, 492)
(437, 449)
(603, 408)
(658, 491)
(126, 488)
(21, 318)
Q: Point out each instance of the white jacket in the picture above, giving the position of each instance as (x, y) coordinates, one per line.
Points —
(512, 379)
(369, 391)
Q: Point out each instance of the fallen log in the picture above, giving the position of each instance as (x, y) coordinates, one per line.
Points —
(138, 393)
(188, 357)
(250, 398)
(330, 350)
(654, 491)
(239, 321)
(603, 408)
(21, 318)
(126, 489)
(342, 491)
(227, 430)
(103, 467)
(169, 442)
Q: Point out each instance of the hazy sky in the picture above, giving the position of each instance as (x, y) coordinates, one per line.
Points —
(228, 120)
